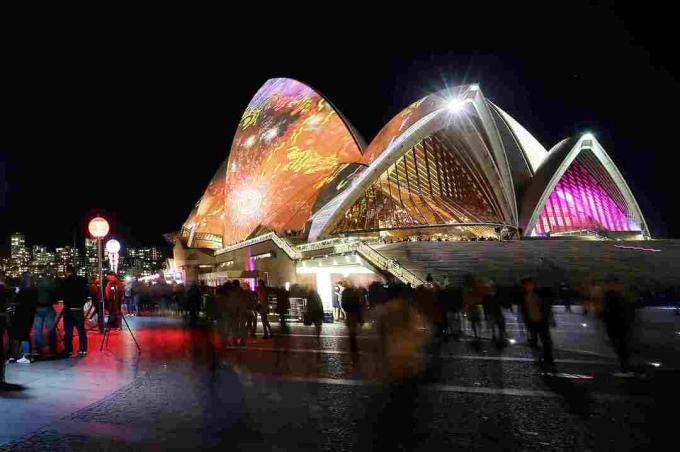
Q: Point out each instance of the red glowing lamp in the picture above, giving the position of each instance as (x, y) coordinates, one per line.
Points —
(98, 227)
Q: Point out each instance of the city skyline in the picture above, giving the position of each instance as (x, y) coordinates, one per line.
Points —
(36, 258)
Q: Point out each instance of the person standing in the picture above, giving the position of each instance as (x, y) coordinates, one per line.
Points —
(22, 321)
(4, 296)
(114, 293)
(74, 291)
(45, 315)
(537, 315)
(136, 290)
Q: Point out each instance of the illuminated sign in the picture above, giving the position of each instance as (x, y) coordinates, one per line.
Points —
(263, 256)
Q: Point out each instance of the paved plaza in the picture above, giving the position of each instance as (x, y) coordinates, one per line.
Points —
(297, 392)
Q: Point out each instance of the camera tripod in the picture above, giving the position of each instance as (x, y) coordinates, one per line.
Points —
(107, 333)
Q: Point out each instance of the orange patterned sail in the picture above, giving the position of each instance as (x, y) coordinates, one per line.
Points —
(289, 142)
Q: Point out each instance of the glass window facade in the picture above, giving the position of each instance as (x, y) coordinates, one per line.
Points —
(434, 183)
(580, 202)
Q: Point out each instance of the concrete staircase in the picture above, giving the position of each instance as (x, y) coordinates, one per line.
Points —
(550, 261)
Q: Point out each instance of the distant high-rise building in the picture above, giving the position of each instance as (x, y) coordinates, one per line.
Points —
(89, 267)
(20, 257)
(42, 259)
(66, 256)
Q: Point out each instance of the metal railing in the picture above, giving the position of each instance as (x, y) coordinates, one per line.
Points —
(374, 257)
(339, 245)
(280, 242)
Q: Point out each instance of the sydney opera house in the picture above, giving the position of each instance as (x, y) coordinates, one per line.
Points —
(452, 184)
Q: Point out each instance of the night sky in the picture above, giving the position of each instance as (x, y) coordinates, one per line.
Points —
(130, 113)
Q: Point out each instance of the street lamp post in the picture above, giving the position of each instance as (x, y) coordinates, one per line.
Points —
(99, 228)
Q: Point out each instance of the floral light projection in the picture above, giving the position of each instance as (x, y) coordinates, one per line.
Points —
(289, 142)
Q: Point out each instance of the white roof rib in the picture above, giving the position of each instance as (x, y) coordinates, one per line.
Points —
(533, 149)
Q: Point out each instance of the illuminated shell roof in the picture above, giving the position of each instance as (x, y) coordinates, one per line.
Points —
(289, 141)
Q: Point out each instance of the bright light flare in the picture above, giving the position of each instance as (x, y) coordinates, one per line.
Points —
(512, 341)
(587, 136)
(655, 364)
(455, 105)
(584, 325)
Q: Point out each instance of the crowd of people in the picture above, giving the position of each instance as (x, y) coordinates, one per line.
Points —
(407, 319)
(31, 304)
(447, 311)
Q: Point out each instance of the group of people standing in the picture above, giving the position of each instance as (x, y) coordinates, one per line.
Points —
(32, 304)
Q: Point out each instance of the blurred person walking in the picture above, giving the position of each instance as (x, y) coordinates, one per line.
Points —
(351, 305)
(282, 307)
(240, 303)
(136, 289)
(496, 319)
(21, 322)
(193, 304)
(45, 316)
(538, 318)
(262, 307)
(618, 315)
(314, 311)
(73, 291)
(472, 302)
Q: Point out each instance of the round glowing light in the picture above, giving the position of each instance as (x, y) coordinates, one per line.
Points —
(584, 325)
(98, 227)
(655, 364)
(112, 246)
(455, 105)
(587, 136)
(512, 341)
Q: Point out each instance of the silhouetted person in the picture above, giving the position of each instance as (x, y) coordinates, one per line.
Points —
(565, 296)
(618, 315)
(193, 304)
(21, 323)
(45, 317)
(496, 319)
(314, 311)
(282, 306)
(5, 295)
(472, 301)
(537, 315)
(73, 292)
(240, 304)
(351, 304)
(262, 294)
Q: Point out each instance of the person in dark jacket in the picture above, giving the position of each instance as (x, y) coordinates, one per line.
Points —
(351, 304)
(4, 294)
(314, 311)
(537, 314)
(74, 291)
(618, 315)
(45, 317)
(22, 320)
